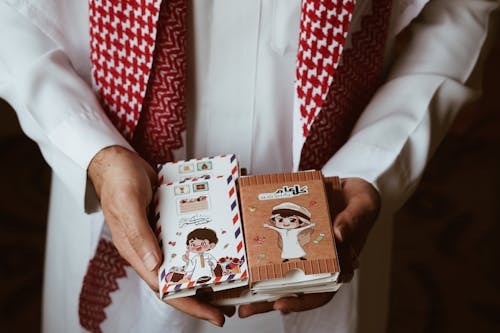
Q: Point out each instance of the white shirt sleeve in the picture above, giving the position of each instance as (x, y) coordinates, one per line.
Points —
(55, 106)
(428, 84)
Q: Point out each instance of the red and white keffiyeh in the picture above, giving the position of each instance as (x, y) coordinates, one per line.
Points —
(145, 99)
(353, 86)
(122, 35)
(323, 31)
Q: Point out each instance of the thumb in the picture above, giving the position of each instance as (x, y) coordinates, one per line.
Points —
(135, 240)
(362, 205)
(124, 184)
(141, 237)
(353, 224)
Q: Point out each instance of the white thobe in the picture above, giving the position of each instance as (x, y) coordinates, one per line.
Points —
(242, 59)
(291, 247)
(201, 265)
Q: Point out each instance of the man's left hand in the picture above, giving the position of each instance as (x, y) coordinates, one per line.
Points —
(350, 228)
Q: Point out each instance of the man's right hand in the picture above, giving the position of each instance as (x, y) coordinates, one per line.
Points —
(124, 184)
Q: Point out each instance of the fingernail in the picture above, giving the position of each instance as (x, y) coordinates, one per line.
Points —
(215, 323)
(150, 261)
(278, 306)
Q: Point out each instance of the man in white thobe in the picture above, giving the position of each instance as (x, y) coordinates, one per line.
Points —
(241, 73)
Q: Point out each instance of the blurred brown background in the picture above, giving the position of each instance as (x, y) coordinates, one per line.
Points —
(24, 193)
(446, 255)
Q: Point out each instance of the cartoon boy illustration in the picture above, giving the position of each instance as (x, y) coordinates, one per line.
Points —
(201, 264)
(290, 220)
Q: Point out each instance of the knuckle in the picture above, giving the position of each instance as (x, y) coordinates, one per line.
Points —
(154, 287)
(372, 202)
(348, 216)
(121, 247)
(123, 195)
(134, 237)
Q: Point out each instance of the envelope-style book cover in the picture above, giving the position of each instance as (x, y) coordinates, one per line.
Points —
(199, 227)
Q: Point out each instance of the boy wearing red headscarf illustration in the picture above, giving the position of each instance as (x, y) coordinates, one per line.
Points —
(200, 264)
(290, 222)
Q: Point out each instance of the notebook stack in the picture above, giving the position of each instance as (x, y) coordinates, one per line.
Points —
(244, 239)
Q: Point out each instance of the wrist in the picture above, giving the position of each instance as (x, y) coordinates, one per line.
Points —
(102, 162)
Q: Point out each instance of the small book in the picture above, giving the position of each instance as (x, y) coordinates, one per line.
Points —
(289, 240)
(199, 227)
(282, 243)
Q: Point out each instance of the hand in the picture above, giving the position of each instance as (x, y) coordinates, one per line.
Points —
(350, 228)
(198, 306)
(124, 182)
(353, 224)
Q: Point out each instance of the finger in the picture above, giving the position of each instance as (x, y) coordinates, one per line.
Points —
(353, 224)
(129, 254)
(302, 303)
(350, 220)
(198, 309)
(247, 310)
(359, 214)
(228, 310)
(206, 296)
(130, 220)
(143, 241)
(153, 177)
(351, 228)
(134, 239)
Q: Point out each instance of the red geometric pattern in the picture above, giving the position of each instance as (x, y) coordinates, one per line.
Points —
(163, 118)
(323, 29)
(122, 35)
(99, 282)
(354, 84)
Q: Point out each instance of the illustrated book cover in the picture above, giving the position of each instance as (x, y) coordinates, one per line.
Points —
(289, 238)
(247, 238)
(199, 227)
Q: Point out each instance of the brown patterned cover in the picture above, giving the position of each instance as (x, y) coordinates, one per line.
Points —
(263, 251)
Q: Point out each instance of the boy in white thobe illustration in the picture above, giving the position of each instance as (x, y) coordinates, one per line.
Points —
(202, 264)
(290, 220)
